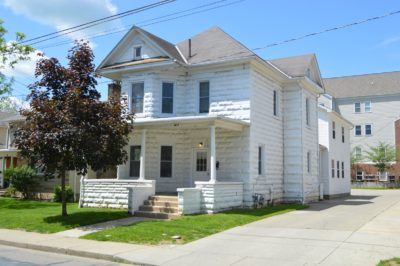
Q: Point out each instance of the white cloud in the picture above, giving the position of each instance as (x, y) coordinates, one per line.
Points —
(390, 41)
(24, 68)
(63, 14)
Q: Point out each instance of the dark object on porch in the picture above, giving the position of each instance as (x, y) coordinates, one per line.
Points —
(258, 200)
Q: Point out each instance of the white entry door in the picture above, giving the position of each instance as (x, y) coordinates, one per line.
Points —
(201, 165)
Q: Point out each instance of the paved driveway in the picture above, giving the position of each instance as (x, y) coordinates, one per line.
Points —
(358, 230)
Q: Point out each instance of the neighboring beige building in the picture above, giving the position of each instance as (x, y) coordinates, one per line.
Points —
(371, 102)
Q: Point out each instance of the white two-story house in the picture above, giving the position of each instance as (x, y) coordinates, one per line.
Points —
(214, 122)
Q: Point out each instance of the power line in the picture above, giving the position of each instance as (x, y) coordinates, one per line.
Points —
(328, 30)
(157, 20)
(95, 22)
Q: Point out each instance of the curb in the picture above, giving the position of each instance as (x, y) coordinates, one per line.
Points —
(66, 251)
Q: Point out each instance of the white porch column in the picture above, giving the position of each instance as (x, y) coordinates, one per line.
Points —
(213, 167)
(118, 171)
(142, 171)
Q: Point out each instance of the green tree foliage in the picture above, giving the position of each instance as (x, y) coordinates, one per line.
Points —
(23, 179)
(69, 194)
(11, 52)
(68, 127)
(382, 156)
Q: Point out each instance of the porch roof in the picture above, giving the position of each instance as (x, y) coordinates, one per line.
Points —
(193, 121)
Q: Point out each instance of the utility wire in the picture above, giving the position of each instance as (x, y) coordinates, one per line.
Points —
(94, 23)
(149, 22)
(328, 30)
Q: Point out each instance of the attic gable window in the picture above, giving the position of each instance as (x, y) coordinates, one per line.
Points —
(137, 52)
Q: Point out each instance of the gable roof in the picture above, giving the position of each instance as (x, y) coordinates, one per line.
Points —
(376, 84)
(294, 66)
(213, 45)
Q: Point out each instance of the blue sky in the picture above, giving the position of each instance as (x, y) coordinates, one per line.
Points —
(367, 48)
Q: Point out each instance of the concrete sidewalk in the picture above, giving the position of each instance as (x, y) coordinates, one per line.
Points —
(359, 230)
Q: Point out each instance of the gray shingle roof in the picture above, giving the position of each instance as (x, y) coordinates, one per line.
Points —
(295, 66)
(213, 45)
(364, 85)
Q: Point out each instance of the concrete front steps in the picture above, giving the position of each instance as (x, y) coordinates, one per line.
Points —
(159, 207)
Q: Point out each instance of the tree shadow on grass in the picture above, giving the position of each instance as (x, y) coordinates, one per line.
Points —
(77, 219)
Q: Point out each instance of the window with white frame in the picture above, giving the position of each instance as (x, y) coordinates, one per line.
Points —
(358, 153)
(357, 107)
(342, 134)
(342, 169)
(357, 130)
(137, 97)
(307, 111)
(167, 98)
(137, 52)
(333, 129)
(308, 162)
(367, 106)
(166, 161)
(333, 168)
(338, 169)
(260, 160)
(360, 176)
(368, 130)
(134, 161)
(275, 96)
(204, 97)
(201, 161)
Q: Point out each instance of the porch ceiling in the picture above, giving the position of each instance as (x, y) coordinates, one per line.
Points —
(186, 122)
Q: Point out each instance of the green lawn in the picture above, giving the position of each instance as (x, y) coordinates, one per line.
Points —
(391, 262)
(190, 228)
(44, 217)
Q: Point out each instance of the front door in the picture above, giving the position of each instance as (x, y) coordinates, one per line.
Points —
(200, 165)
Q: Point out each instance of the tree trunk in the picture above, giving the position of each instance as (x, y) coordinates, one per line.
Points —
(63, 198)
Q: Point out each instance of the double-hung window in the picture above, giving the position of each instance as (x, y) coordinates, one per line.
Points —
(166, 161)
(357, 130)
(167, 98)
(260, 160)
(275, 103)
(333, 129)
(333, 168)
(342, 169)
(367, 106)
(137, 97)
(343, 134)
(368, 130)
(338, 168)
(137, 52)
(307, 111)
(357, 107)
(204, 97)
(134, 161)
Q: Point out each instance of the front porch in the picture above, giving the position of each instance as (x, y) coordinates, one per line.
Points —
(204, 156)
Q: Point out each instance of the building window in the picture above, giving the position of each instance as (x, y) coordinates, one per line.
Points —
(367, 106)
(357, 130)
(333, 168)
(137, 52)
(368, 130)
(134, 161)
(333, 129)
(204, 97)
(308, 162)
(338, 169)
(166, 161)
(201, 161)
(358, 153)
(167, 98)
(137, 97)
(275, 103)
(360, 176)
(357, 107)
(307, 111)
(343, 134)
(342, 169)
(260, 160)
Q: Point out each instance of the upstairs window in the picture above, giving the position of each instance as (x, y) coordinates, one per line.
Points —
(338, 169)
(357, 130)
(357, 107)
(368, 130)
(343, 134)
(134, 162)
(275, 103)
(166, 161)
(342, 169)
(367, 106)
(307, 111)
(333, 129)
(204, 97)
(333, 168)
(260, 160)
(137, 52)
(167, 98)
(137, 97)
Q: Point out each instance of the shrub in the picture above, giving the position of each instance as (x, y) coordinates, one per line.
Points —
(69, 194)
(23, 179)
(10, 192)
